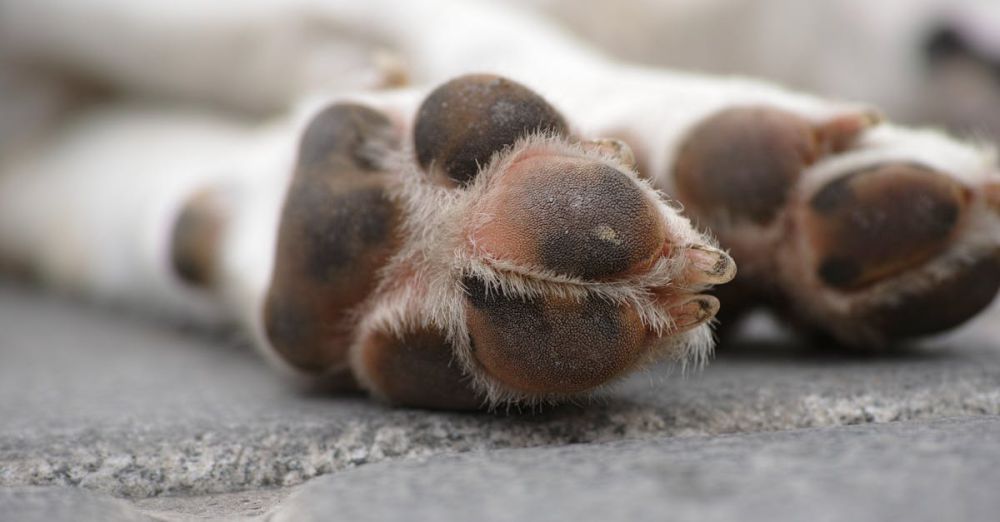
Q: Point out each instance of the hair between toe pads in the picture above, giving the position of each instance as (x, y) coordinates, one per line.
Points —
(462, 123)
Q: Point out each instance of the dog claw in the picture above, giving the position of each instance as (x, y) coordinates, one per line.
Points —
(693, 312)
(614, 148)
(838, 134)
(709, 265)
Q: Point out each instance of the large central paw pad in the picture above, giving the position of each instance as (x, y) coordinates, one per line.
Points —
(513, 262)
(573, 216)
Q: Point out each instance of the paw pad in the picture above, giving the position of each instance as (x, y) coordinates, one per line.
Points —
(338, 228)
(464, 122)
(573, 216)
(551, 345)
(417, 369)
(875, 223)
(946, 305)
(195, 239)
(743, 161)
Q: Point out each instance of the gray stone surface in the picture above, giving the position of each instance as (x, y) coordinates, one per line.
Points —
(913, 471)
(243, 506)
(943, 469)
(124, 407)
(61, 503)
(55, 504)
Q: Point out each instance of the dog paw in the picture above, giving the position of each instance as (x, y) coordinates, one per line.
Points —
(495, 258)
(872, 233)
(896, 250)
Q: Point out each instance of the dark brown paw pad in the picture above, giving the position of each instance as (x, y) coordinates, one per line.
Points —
(573, 216)
(345, 137)
(338, 228)
(196, 238)
(417, 369)
(551, 345)
(464, 122)
(875, 223)
(743, 161)
(942, 306)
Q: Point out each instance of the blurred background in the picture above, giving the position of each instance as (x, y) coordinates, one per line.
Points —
(921, 61)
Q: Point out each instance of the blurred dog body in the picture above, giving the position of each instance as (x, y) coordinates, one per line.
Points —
(920, 61)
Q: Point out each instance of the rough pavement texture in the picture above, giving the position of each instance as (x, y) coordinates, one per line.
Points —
(253, 504)
(134, 410)
(917, 471)
(923, 470)
(37, 504)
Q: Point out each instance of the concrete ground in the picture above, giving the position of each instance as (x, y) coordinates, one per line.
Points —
(111, 418)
